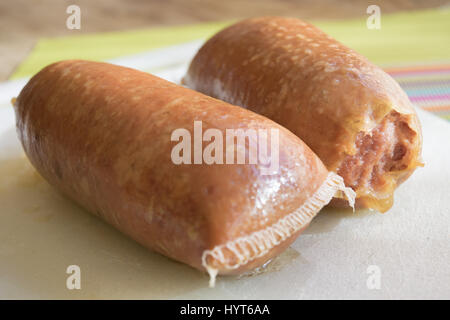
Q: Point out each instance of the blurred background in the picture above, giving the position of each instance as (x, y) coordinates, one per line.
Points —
(23, 22)
(411, 43)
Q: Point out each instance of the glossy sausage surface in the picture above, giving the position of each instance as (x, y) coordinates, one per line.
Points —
(102, 134)
(352, 114)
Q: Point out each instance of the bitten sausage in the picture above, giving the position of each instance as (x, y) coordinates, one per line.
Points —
(353, 115)
(102, 134)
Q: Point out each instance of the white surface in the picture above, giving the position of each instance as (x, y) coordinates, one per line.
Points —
(41, 233)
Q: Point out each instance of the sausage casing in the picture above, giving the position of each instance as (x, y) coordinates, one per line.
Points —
(102, 135)
(352, 114)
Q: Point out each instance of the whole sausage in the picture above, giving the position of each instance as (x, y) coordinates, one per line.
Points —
(353, 115)
(103, 135)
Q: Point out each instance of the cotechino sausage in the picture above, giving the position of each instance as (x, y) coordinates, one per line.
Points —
(353, 115)
(103, 135)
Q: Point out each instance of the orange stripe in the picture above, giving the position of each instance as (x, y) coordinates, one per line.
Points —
(436, 108)
(418, 68)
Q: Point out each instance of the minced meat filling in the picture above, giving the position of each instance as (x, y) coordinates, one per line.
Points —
(382, 151)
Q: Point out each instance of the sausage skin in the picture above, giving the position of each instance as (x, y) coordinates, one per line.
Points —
(352, 114)
(101, 134)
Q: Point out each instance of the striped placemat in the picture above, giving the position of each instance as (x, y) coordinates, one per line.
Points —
(428, 87)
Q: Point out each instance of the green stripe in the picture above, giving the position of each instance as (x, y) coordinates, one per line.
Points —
(404, 38)
(102, 46)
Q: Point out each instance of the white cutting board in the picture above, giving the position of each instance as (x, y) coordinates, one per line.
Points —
(402, 254)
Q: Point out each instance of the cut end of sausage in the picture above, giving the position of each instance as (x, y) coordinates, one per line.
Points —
(253, 250)
(384, 158)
